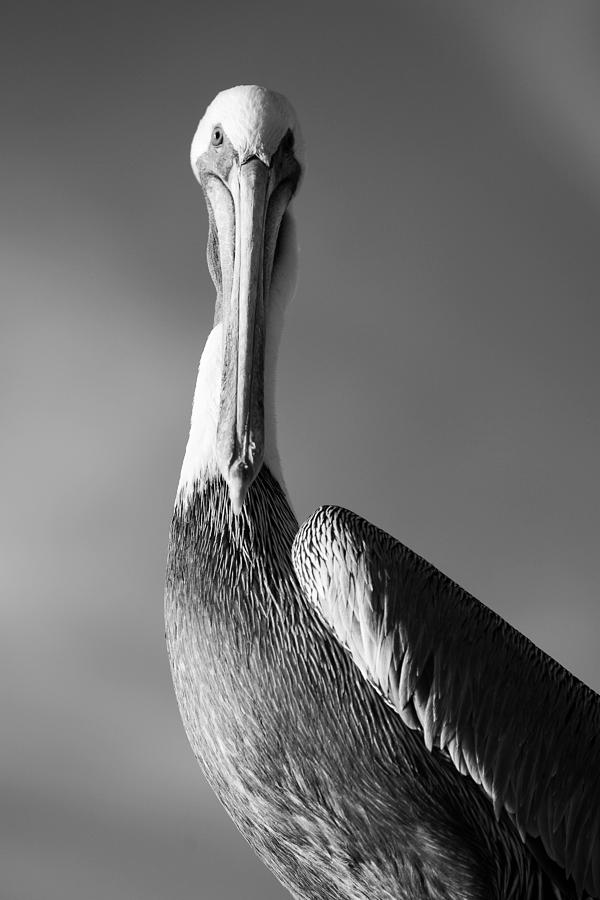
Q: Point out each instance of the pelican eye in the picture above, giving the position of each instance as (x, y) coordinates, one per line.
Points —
(287, 142)
(217, 136)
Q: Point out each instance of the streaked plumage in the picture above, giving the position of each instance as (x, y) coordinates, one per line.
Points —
(373, 730)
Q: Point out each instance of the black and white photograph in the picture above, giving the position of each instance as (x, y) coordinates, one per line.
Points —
(300, 328)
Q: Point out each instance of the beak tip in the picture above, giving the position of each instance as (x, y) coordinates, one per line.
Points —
(239, 479)
(237, 497)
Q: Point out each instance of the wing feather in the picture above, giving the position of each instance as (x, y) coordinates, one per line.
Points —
(507, 714)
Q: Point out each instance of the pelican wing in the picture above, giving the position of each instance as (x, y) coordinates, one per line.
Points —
(508, 715)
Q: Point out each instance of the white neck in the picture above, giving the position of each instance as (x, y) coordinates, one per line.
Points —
(200, 460)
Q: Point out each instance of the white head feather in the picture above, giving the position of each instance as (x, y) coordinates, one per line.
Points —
(254, 119)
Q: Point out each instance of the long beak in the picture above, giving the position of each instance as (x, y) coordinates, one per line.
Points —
(240, 431)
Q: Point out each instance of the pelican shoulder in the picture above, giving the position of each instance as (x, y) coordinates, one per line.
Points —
(509, 716)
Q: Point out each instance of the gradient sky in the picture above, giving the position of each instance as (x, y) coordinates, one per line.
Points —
(439, 372)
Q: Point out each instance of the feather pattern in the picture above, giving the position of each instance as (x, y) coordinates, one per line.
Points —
(508, 716)
(323, 778)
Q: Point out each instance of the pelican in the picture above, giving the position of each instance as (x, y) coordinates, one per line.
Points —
(373, 730)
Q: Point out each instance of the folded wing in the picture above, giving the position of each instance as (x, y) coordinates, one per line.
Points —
(508, 715)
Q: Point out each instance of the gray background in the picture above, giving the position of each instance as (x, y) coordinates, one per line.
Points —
(439, 371)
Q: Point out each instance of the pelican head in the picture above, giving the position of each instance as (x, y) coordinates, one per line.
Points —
(245, 154)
